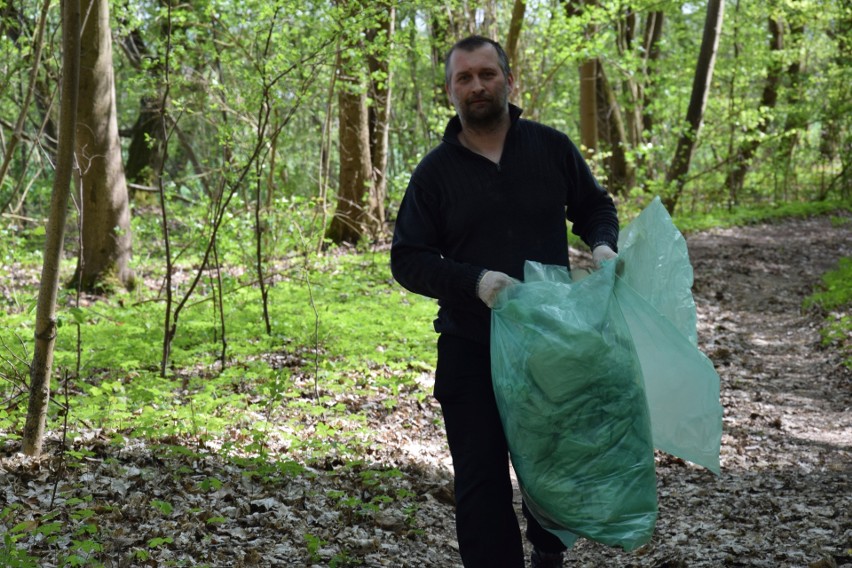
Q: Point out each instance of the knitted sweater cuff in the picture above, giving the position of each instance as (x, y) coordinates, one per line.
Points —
(473, 283)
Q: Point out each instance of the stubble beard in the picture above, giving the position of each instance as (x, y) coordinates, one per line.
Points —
(486, 116)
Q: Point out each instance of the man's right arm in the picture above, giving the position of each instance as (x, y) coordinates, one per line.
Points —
(417, 259)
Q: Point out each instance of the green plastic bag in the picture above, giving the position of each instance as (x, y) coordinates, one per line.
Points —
(656, 265)
(569, 389)
(590, 375)
(654, 291)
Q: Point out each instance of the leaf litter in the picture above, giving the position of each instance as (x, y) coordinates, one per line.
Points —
(783, 498)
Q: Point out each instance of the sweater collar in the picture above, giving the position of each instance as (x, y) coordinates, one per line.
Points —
(451, 133)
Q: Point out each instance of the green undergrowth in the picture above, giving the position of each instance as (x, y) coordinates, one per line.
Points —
(833, 298)
(720, 217)
(342, 332)
(341, 329)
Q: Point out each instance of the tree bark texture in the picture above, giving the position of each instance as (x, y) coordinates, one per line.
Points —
(106, 238)
(45, 326)
(145, 151)
(795, 122)
(357, 214)
(676, 175)
(380, 91)
(631, 84)
(588, 82)
(515, 26)
(439, 44)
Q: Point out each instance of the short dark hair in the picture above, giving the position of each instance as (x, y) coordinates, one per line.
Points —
(472, 43)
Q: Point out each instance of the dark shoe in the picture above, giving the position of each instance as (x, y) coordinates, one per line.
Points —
(541, 559)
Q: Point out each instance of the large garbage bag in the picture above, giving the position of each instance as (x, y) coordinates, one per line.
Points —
(591, 375)
(569, 389)
(655, 263)
(654, 291)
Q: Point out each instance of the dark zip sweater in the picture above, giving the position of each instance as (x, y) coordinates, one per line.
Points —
(462, 214)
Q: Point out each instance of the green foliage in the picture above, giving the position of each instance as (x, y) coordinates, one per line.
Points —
(313, 544)
(230, 63)
(77, 531)
(834, 299)
(163, 507)
(339, 323)
(836, 289)
(11, 554)
(160, 541)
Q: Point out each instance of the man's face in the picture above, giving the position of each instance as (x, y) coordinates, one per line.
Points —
(478, 89)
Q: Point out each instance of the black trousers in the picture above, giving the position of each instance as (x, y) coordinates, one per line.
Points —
(486, 524)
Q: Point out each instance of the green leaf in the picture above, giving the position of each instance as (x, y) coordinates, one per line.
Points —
(162, 506)
(159, 541)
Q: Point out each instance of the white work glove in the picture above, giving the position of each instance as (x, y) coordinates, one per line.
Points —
(602, 253)
(490, 285)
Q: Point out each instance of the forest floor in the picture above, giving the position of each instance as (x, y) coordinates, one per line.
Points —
(783, 498)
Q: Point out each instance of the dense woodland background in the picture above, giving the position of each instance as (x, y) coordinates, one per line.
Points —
(196, 198)
(321, 110)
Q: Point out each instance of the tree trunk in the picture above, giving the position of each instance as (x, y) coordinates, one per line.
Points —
(515, 27)
(360, 213)
(483, 16)
(45, 326)
(611, 130)
(679, 167)
(589, 106)
(144, 154)
(145, 151)
(380, 91)
(736, 177)
(439, 44)
(632, 84)
(588, 83)
(106, 213)
(835, 137)
(795, 122)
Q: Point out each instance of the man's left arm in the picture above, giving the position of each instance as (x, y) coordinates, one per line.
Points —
(590, 208)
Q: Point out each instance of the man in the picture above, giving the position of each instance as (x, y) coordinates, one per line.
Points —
(495, 193)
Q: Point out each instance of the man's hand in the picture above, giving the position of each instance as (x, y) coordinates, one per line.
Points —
(490, 285)
(601, 254)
